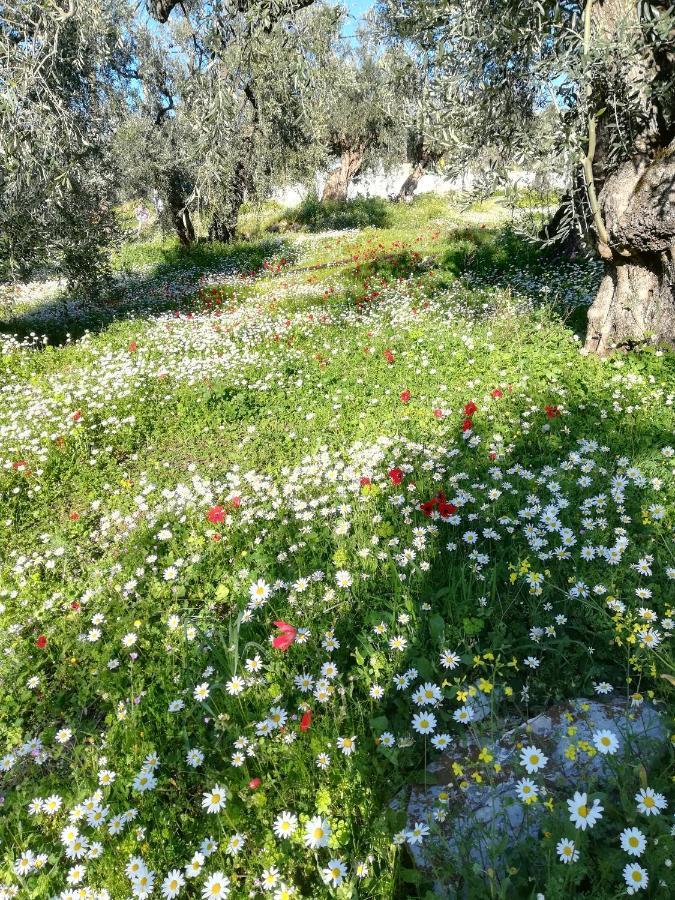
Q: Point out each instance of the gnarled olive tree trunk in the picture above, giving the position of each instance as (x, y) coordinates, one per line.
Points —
(224, 221)
(338, 181)
(636, 300)
(180, 214)
(634, 215)
(409, 186)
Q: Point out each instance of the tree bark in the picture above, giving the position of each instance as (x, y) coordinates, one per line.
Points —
(180, 214)
(337, 183)
(635, 212)
(636, 301)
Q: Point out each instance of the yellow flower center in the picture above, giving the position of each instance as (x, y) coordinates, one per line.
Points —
(583, 811)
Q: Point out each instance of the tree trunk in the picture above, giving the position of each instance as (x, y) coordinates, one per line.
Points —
(337, 183)
(636, 301)
(224, 222)
(180, 214)
(409, 186)
(183, 225)
(634, 217)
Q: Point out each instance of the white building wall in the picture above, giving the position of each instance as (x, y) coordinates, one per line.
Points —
(386, 184)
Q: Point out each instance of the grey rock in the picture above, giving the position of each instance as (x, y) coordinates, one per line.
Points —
(484, 820)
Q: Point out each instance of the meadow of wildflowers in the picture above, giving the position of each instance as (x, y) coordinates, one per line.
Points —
(276, 544)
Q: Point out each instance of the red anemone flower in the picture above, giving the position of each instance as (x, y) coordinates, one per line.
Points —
(470, 408)
(396, 475)
(216, 514)
(41, 642)
(284, 640)
(405, 396)
(306, 720)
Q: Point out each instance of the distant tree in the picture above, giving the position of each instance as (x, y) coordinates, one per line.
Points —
(606, 67)
(410, 70)
(240, 106)
(62, 71)
(355, 119)
(152, 144)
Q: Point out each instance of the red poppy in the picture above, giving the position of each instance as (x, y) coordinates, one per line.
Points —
(306, 720)
(75, 605)
(445, 510)
(41, 642)
(133, 346)
(285, 639)
(552, 411)
(365, 481)
(216, 514)
(74, 516)
(497, 393)
(236, 502)
(405, 396)
(76, 416)
(254, 783)
(470, 408)
(438, 413)
(396, 475)
(467, 425)
(389, 356)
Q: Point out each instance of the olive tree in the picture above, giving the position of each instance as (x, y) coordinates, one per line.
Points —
(355, 117)
(414, 106)
(241, 107)
(62, 70)
(606, 69)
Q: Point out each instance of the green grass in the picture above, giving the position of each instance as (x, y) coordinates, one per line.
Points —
(216, 427)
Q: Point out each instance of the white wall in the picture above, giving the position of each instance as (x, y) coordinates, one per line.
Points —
(385, 184)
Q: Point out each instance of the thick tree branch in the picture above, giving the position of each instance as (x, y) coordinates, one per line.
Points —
(162, 9)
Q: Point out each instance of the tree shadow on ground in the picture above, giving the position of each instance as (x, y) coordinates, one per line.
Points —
(502, 257)
(163, 279)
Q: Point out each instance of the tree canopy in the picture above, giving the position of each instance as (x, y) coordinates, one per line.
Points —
(205, 103)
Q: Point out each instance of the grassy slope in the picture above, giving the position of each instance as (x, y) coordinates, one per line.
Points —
(464, 310)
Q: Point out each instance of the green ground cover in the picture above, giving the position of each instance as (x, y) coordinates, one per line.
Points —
(385, 438)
